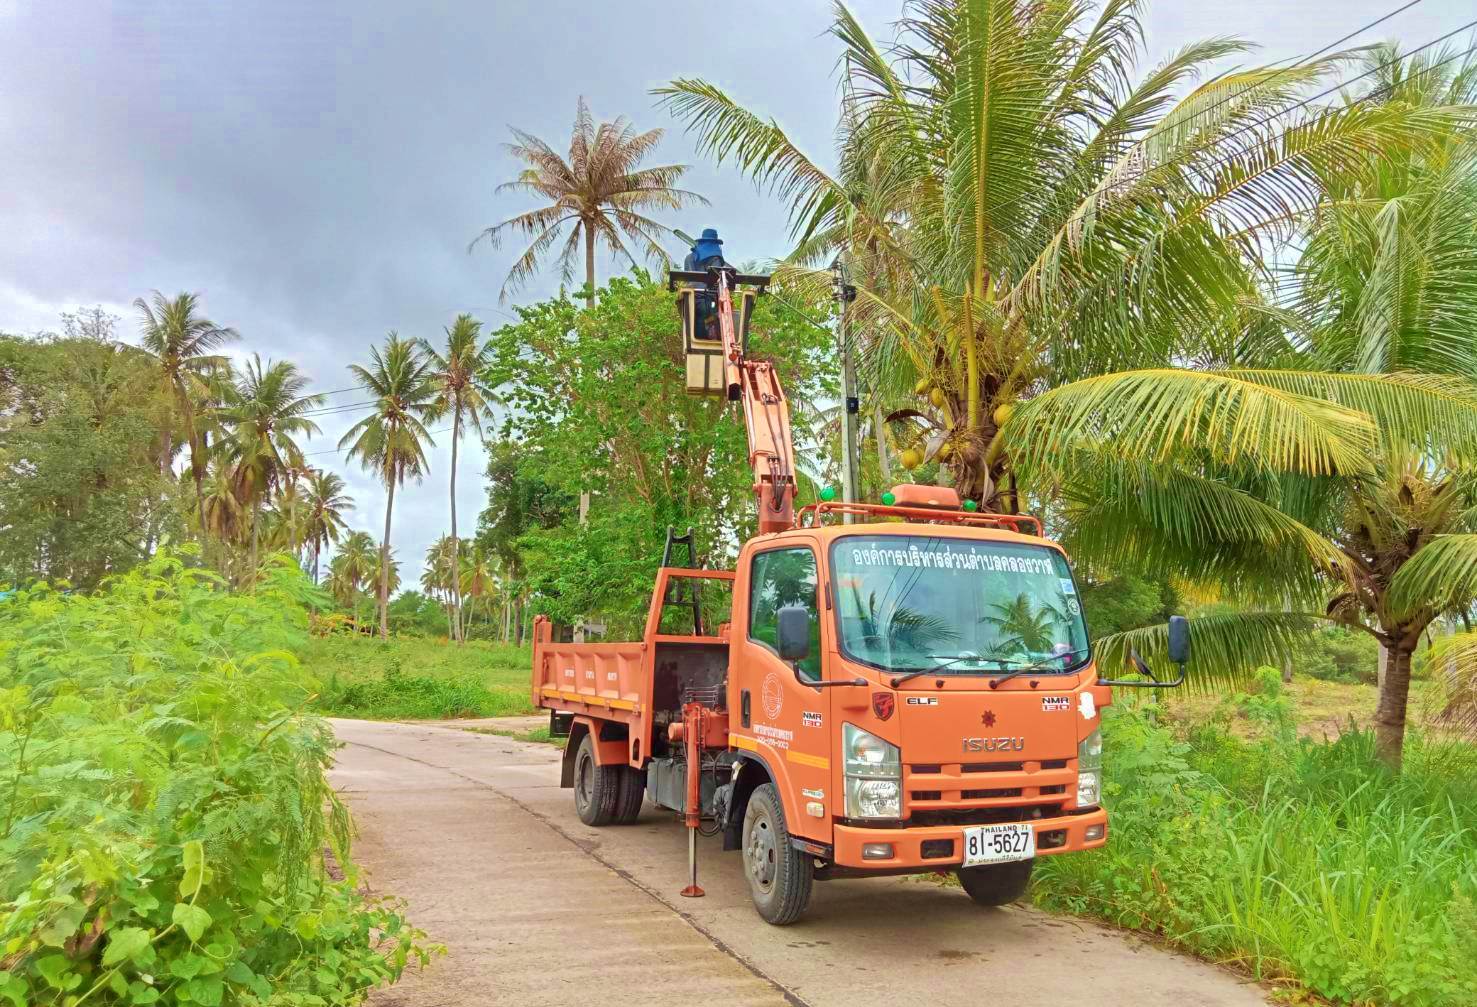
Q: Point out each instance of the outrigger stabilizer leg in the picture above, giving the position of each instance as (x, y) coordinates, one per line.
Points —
(692, 740)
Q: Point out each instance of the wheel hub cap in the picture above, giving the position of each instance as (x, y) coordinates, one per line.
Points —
(760, 853)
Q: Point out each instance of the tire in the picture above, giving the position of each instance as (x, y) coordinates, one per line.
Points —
(997, 884)
(596, 787)
(780, 876)
(629, 795)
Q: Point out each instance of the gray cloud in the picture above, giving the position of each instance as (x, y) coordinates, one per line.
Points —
(316, 170)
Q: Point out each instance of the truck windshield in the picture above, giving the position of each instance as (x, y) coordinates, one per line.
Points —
(961, 606)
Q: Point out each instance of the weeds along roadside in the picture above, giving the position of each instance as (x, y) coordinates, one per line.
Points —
(1297, 860)
(165, 815)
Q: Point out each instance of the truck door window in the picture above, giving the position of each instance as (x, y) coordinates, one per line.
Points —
(778, 578)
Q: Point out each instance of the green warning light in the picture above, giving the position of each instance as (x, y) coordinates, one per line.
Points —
(828, 494)
(970, 505)
(889, 498)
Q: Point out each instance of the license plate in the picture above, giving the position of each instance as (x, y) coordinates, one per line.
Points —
(998, 844)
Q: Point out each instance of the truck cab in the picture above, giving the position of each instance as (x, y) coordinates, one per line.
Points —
(971, 737)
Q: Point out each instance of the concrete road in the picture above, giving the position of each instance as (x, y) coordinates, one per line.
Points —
(537, 908)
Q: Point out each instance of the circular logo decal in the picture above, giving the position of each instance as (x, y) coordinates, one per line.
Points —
(773, 696)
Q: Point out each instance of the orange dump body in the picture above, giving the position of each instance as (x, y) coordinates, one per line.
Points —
(969, 756)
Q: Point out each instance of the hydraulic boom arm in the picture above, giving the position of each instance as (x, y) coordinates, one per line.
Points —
(756, 385)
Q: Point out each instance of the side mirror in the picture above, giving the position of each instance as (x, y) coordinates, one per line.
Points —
(793, 636)
(1179, 639)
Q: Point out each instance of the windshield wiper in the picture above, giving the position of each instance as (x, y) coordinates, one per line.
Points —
(938, 667)
(995, 683)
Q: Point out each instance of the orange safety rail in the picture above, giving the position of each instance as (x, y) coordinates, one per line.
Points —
(813, 515)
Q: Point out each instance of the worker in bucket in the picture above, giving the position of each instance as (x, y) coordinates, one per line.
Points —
(706, 253)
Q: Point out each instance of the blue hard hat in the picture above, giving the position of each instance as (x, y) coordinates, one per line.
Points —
(708, 246)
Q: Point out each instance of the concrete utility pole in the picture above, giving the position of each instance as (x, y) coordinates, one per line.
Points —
(850, 482)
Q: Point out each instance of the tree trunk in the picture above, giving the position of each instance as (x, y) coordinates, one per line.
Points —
(456, 570)
(589, 266)
(317, 549)
(1389, 717)
(879, 427)
(256, 522)
(384, 588)
(1379, 674)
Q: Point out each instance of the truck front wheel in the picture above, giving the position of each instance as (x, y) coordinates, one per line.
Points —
(780, 876)
(597, 788)
(996, 884)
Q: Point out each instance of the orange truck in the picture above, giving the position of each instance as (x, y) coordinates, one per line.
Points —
(875, 689)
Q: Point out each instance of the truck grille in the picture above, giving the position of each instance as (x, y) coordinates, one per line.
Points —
(948, 789)
(985, 816)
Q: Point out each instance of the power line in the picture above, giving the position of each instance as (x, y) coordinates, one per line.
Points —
(1372, 70)
(1322, 94)
(1299, 60)
(332, 451)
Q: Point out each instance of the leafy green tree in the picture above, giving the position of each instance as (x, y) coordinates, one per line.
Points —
(597, 399)
(265, 415)
(461, 393)
(391, 441)
(182, 344)
(600, 189)
(81, 492)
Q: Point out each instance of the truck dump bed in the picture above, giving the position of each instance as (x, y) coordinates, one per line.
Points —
(641, 685)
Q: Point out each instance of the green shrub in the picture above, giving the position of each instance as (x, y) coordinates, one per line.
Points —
(165, 817)
(1336, 654)
(1301, 861)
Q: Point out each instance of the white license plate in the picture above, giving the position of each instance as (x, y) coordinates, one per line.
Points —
(998, 844)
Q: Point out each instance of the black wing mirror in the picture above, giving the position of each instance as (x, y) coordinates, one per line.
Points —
(1179, 639)
(792, 641)
(1179, 653)
(793, 638)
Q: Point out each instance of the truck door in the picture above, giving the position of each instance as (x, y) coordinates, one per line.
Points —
(787, 720)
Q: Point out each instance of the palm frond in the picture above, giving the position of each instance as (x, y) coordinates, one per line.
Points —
(1157, 415)
(1225, 650)
(758, 147)
(1440, 577)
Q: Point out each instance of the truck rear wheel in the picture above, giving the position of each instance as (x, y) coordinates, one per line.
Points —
(996, 884)
(630, 793)
(596, 787)
(780, 876)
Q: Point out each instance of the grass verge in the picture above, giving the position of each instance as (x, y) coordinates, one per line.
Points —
(418, 679)
(1300, 861)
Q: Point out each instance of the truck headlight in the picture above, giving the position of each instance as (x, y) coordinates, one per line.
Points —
(874, 775)
(1090, 770)
(873, 798)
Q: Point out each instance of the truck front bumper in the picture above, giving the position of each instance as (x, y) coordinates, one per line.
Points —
(939, 847)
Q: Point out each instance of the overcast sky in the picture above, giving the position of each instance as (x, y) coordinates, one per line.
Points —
(315, 170)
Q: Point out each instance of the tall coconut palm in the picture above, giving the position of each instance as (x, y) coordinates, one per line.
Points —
(391, 441)
(183, 344)
(599, 190)
(264, 419)
(477, 581)
(1380, 293)
(326, 503)
(463, 394)
(1017, 212)
(220, 512)
(437, 579)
